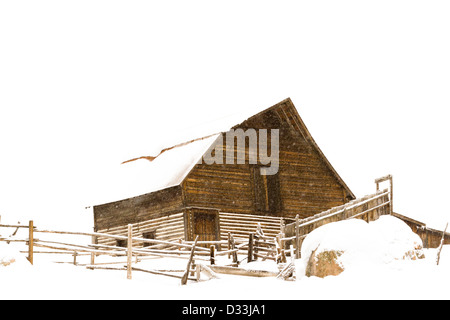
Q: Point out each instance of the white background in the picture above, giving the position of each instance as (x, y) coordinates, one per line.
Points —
(85, 85)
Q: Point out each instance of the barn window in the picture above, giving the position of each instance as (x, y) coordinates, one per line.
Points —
(205, 225)
(149, 235)
(267, 191)
(121, 243)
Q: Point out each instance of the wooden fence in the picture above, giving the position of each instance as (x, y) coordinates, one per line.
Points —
(194, 254)
(135, 249)
(242, 225)
(167, 228)
(241, 235)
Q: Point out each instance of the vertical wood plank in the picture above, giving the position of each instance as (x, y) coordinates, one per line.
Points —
(229, 245)
(75, 254)
(129, 251)
(94, 241)
(188, 267)
(392, 194)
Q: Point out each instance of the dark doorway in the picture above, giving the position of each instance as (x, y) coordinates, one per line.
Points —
(149, 235)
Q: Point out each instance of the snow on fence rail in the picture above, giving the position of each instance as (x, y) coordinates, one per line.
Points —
(369, 208)
(241, 225)
(135, 251)
(191, 252)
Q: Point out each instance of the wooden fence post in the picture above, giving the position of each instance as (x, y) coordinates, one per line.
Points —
(233, 246)
(441, 245)
(213, 254)
(94, 240)
(282, 226)
(129, 251)
(392, 194)
(250, 247)
(184, 279)
(30, 241)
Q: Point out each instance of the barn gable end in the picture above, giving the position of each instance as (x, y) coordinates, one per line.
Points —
(305, 184)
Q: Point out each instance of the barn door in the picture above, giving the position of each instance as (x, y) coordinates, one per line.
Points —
(205, 225)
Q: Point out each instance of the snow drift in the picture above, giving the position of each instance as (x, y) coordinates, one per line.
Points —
(9, 255)
(354, 243)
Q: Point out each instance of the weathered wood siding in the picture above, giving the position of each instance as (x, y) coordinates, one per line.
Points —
(305, 184)
(308, 184)
(241, 225)
(138, 209)
(168, 227)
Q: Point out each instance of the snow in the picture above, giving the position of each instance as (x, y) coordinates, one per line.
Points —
(377, 274)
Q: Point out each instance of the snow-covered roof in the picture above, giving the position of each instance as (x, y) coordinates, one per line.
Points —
(140, 176)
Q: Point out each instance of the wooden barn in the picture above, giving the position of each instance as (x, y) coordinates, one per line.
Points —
(196, 198)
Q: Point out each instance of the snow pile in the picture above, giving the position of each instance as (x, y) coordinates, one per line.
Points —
(356, 243)
(10, 255)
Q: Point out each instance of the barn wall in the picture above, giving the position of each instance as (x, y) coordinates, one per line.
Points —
(169, 227)
(306, 184)
(222, 186)
(138, 209)
(241, 225)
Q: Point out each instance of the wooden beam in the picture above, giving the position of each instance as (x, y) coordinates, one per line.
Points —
(184, 279)
(30, 241)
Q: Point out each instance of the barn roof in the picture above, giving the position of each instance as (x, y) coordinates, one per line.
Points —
(170, 167)
(148, 174)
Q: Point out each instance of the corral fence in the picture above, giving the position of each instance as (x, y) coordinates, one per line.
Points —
(190, 252)
(242, 237)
